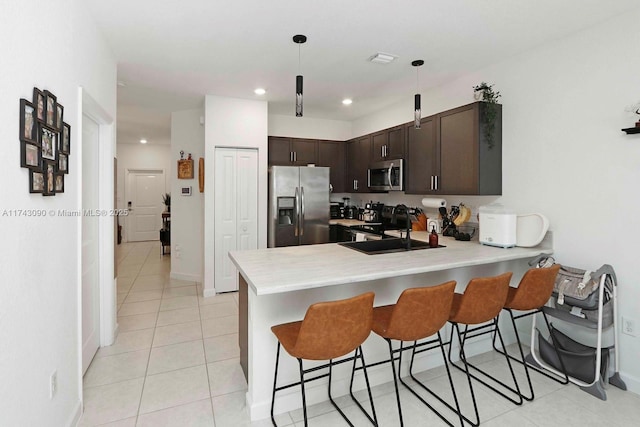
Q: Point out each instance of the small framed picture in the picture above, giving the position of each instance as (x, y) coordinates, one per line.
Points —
(50, 108)
(27, 122)
(39, 104)
(31, 156)
(59, 114)
(63, 163)
(36, 182)
(185, 169)
(59, 185)
(47, 140)
(49, 170)
(65, 139)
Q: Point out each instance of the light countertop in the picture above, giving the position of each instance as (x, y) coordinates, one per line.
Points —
(293, 268)
(347, 222)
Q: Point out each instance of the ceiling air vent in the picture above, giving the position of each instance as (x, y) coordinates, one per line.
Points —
(382, 58)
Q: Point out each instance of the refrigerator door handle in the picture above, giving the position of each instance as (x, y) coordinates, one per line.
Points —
(301, 223)
(297, 213)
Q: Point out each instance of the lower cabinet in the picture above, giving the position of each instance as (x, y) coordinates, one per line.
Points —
(339, 233)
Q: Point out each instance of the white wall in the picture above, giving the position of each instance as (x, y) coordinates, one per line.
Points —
(39, 324)
(232, 122)
(187, 212)
(563, 152)
(141, 156)
(308, 127)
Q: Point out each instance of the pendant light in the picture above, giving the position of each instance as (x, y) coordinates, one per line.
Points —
(299, 39)
(416, 107)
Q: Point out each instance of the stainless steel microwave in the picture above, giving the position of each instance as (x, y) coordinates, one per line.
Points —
(386, 176)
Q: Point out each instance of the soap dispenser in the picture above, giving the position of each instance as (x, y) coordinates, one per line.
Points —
(433, 238)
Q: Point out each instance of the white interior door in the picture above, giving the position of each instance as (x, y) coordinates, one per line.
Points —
(145, 209)
(90, 243)
(236, 211)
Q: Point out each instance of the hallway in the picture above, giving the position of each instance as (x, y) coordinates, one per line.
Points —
(175, 360)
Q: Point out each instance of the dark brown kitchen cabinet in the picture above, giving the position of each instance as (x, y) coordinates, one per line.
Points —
(450, 154)
(422, 159)
(469, 164)
(358, 158)
(388, 144)
(292, 151)
(332, 154)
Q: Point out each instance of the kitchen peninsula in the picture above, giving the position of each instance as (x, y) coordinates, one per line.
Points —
(277, 285)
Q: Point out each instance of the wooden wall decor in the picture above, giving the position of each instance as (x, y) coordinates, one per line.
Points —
(185, 169)
(201, 174)
(45, 142)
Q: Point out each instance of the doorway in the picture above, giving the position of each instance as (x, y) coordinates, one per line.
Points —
(90, 244)
(144, 202)
(96, 273)
(236, 211)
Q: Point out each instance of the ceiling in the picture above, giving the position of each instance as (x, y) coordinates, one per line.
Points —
(171, 53)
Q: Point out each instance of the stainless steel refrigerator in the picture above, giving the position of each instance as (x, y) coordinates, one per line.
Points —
(298, 206)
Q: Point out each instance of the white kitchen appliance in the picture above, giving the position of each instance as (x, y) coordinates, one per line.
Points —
(531, 229)
(497, 226)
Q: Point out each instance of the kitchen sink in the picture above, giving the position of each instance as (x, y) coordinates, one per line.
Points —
(386, 246)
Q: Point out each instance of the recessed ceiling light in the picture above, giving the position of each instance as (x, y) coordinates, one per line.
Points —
(143, 141)
(382, 58)
(347, 101)
(260, 91)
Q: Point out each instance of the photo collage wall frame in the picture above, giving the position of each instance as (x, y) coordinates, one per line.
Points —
(45, 142)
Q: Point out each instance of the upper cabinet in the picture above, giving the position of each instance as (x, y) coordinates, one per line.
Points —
(332, 154)
(451, 153)
(388, 144)
(358, 158)
(422, 163)
(292, 151)
(455, 152)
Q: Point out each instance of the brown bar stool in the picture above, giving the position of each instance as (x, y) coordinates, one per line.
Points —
(419, 313)
(532, 293)
(329, 330)
(481, 302)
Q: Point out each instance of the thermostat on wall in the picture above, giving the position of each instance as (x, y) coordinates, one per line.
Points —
(186, 191)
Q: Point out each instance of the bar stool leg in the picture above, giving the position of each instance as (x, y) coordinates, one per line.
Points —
(516, 389)
(373, 420)
(421, 384)
(304, 397)
(461, 340)
(395, 380)
(523, 361)
(275, 379)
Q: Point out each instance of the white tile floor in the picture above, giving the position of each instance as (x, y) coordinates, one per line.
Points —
(175, 363)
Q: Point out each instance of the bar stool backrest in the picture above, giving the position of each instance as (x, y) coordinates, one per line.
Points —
(334, 328)
(421, 312)
(482, 300)
(534, 290)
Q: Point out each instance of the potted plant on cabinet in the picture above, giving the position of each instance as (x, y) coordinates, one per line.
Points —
(484, 92)
(166, 199)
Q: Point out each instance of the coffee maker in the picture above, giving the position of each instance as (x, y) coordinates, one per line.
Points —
(373, 212)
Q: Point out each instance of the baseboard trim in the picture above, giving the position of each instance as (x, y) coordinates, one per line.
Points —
(185, 276)
(209, 293)
(633, 383)
(74, 420)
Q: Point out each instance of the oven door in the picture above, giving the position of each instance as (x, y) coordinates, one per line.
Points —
(386, 176)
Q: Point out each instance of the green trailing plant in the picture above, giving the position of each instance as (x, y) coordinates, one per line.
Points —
(166, 199)
(484, 92)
